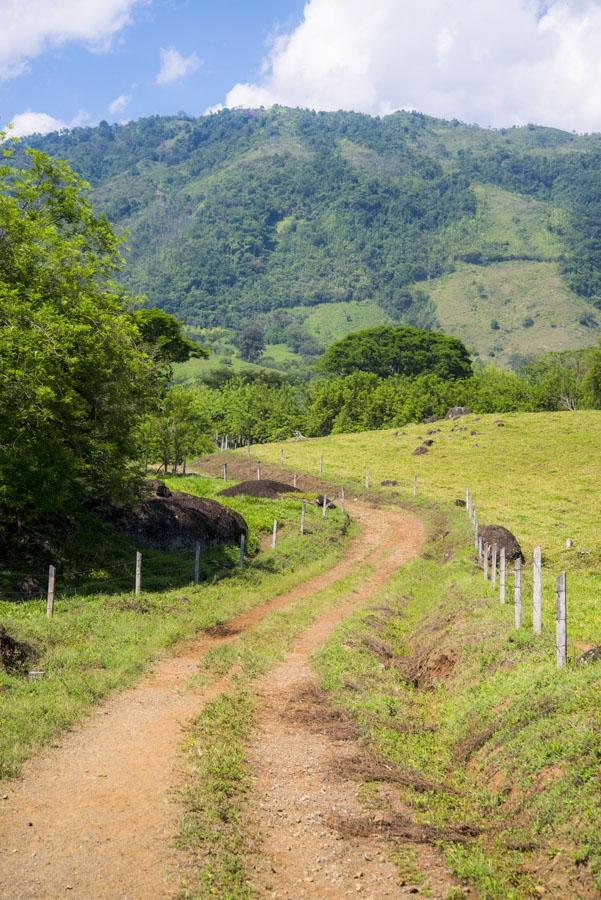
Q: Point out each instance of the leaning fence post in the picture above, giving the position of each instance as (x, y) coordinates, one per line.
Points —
(225, 471)
(486, 556)
(415, 485)
(502, 575)
(518, 592)
(302, 522)
(366, 477)
(561, 641)
(197, 564)
(50, 597)
(242, 542)
(537, 594)
(274, 536)
(495, 553)
(138, 584)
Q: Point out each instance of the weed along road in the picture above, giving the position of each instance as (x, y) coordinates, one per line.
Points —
(96, 815)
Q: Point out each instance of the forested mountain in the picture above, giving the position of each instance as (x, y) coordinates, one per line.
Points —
(318, 223)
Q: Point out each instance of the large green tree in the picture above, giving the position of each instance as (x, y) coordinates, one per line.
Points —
(387, 351)
(74, 373)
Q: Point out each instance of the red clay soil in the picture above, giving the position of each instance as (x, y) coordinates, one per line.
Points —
(95, 815)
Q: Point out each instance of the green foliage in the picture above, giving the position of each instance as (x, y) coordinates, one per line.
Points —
(176, 430)
(386, 351)
(165, 338)
(251, 342)
(74, 378)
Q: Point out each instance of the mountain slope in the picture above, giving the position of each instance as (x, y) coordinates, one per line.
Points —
(274, 213)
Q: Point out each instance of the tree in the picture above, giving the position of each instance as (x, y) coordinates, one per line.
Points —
(177, 430)
(251, 342)
(386, 351)
(74, 376)
(165, 338)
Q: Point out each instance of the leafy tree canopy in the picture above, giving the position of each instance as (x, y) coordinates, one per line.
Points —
(74, 376)
(386, 351)
(165, 337)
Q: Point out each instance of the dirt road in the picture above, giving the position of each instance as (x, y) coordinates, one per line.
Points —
(95, 815)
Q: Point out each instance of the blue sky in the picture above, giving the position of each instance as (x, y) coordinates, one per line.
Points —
(220, 44)
(494, 62)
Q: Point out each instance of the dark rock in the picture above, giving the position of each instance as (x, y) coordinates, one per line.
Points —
(329, 503)
(15, 656)
(455, 412)
(428, 442)
(389, 483)
(593, 655)
(419, 451)
(264, 487)
(430, 419)
(502, 537)
(500, 424)
(29, 587)
(174, 521)
(433, 431)
(459, 502)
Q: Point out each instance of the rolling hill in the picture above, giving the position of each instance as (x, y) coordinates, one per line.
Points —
(316, 224)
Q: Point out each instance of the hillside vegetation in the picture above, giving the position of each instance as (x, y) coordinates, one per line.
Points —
(274, 215)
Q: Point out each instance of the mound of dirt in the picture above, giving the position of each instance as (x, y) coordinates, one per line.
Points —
(455, 412)
(419, 451)
(270, 490)
(389, 482)
(174, 521)
(15, 656)
(502, 537)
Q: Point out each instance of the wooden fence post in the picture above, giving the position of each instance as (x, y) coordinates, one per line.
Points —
(537, 593)
(242, 543)
(324, 506)
(518, 593)
(302, 522)
(476, 534)
(480, 547)
(138, 584)
(294, 480)
(225, 471)
(50, 597)
(415, 485)
(274, 536)
(321, 465)
(495, 554)
(197, 564)
(258, 471)
(226, 441)
(502, 575)
(467, 499)
(366, 477)
(281, 457)
(342, 501)
(485, 565)
(248, 448)
(561, 641)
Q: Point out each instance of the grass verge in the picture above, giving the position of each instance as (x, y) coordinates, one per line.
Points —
(441, 683)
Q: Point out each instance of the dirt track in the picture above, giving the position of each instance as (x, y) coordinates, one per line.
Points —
(95, 815)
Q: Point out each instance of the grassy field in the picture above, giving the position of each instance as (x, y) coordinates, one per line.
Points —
(538, 475)
(99, 642)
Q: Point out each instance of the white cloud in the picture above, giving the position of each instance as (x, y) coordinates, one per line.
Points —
(174, 66)
(119, 104)
(498, 62)
(28, 27)
(34, 123)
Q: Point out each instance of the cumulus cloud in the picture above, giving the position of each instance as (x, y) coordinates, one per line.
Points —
(35, 123)
(498, 63)
(174, 66)
(119, 103)
(29, 28)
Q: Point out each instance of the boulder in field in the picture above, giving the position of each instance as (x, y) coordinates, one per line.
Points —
(455, 412)
(419, 451)
(502, 537)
